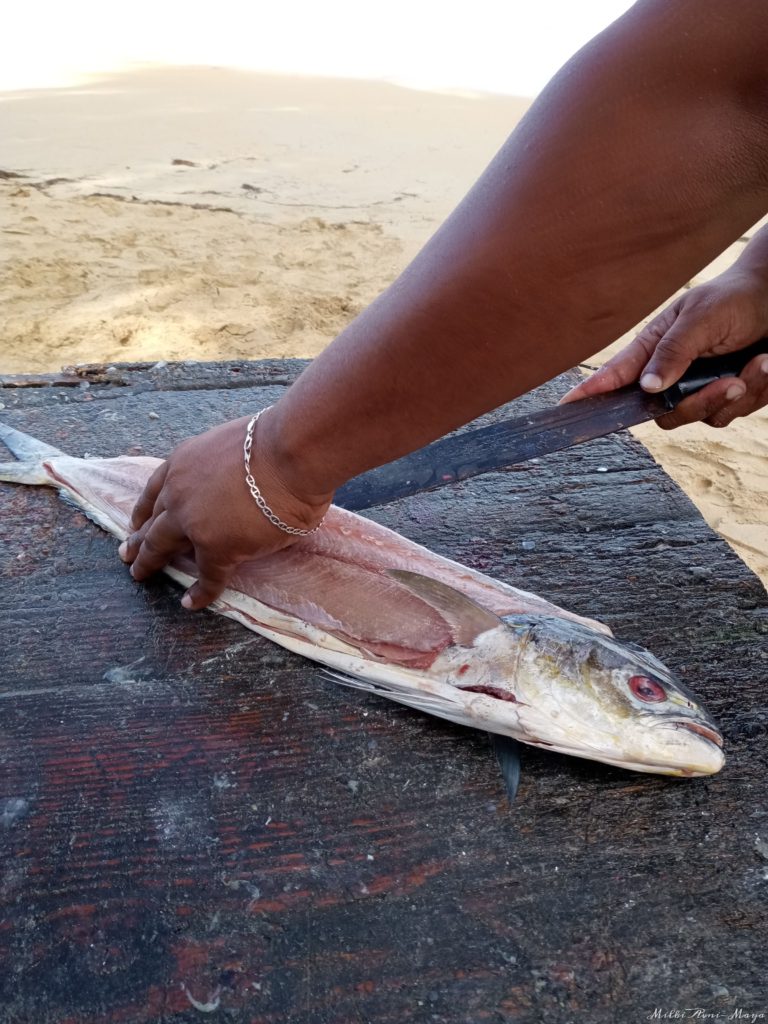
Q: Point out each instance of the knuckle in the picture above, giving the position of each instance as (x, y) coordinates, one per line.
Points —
(724, 415)
(712, 406)
(137, 538)
(649, 335)
(203, 542)
(149, 546)
(673, 346)
(140, 513)
(609, 377)
(209, 542)
(133, 547)
(701, 295)
(759, 375)
(660, 323)
(672, 420)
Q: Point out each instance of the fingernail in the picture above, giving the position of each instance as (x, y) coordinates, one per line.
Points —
(123, 550)
(763, 365)
(186, 602)
(735, 390)
(131, 571)
(651, 382)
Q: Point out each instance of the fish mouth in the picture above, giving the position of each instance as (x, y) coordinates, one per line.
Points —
(701, 730)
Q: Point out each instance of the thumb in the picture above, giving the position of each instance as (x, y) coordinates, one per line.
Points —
(625, 367)
(688, 338)
(213, 578)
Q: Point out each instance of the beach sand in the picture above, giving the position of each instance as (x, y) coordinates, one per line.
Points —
(206, 213)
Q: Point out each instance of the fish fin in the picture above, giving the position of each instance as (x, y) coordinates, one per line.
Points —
(432, 703)
(507, 751)
(466, 619)
(26, 447)
(24, 473)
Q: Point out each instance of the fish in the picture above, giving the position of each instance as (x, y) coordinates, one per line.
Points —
(389, 617)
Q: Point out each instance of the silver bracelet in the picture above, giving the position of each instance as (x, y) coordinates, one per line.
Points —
(258, 497)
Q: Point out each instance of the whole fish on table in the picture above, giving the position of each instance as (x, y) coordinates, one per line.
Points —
(393, 618)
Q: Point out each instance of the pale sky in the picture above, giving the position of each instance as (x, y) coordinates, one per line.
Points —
(504, 46)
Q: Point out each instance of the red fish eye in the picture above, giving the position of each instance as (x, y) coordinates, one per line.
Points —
(647, 689)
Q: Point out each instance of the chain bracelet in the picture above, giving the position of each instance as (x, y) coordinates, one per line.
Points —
(258, 497)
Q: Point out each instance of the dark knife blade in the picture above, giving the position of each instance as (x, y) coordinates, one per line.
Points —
(504, 444)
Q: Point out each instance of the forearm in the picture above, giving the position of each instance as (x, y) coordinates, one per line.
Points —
(634, 168)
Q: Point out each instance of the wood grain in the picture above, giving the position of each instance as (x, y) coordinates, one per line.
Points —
(195, 825)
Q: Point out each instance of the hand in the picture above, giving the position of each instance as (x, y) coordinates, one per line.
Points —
(722, 316)
(197, 502)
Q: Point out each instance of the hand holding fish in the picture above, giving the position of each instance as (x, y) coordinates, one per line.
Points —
(722, 316)
(197, 502)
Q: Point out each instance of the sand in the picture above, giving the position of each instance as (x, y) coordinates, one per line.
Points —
(91, 279)
(207, 213)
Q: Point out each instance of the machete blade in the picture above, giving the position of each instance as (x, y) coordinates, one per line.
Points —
(504, 444)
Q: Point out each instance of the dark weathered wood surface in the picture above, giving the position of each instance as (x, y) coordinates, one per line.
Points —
(195, 825)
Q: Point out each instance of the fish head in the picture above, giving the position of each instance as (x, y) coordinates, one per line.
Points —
(566, 686)
(584, 693)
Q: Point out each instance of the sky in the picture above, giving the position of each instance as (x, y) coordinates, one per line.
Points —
(503, 46)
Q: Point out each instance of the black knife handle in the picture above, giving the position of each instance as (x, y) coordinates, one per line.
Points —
(710, 368)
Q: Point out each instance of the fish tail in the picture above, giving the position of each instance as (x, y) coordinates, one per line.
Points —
(25, 447)
(24, 473)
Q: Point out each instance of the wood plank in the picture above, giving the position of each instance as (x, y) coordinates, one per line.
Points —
(192, 817)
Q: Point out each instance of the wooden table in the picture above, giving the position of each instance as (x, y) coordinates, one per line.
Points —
(194, 824)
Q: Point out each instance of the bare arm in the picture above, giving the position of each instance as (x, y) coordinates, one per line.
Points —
(643, 158)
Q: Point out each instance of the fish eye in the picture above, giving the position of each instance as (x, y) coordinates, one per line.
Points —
(647, 689)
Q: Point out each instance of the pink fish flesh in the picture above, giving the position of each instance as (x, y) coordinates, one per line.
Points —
(421, 629)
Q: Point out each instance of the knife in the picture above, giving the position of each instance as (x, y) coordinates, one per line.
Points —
(487, 449)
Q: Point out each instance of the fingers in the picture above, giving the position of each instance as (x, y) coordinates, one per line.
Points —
(690, 336)
(145, 506)
(705, 404)
(156, 544)
(619, 371)
(153, 546)
(755, 378)
(625, 367)
(723, 401)
(213, 578)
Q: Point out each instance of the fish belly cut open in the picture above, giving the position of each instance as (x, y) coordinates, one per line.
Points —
(336, 579)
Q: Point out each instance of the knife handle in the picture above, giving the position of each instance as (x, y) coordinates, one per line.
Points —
(710, 368)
